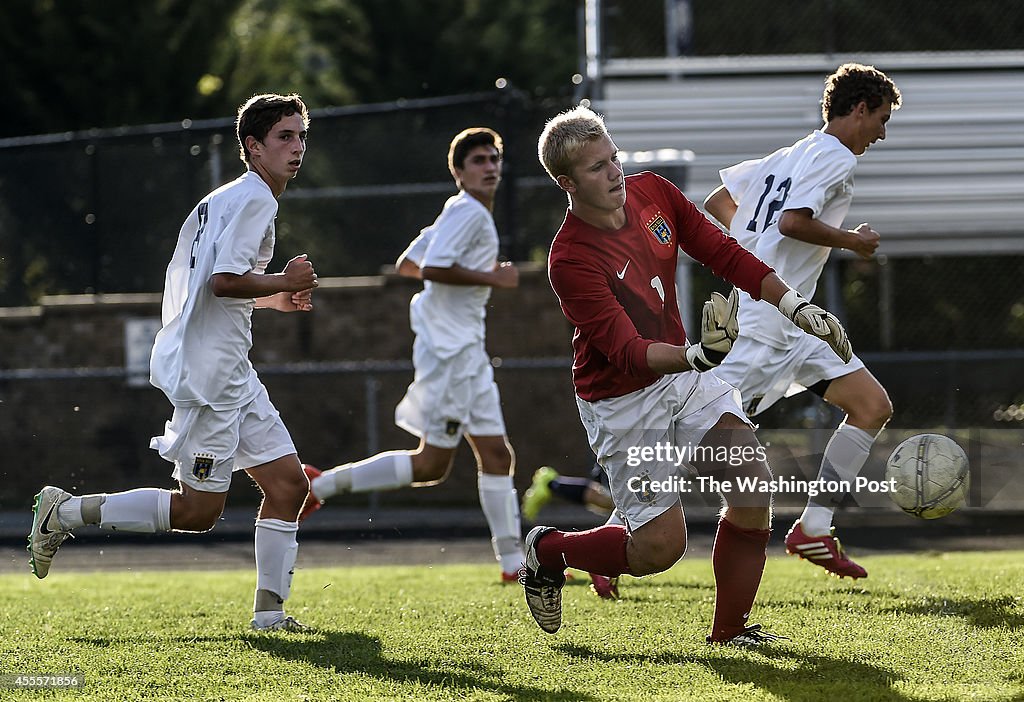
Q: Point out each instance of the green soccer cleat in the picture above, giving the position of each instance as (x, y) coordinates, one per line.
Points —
(539, 492)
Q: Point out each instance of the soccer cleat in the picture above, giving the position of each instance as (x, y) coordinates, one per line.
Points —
(509, 577)
(543, 587)
(47, 532)
(539, 492)
(288, 623)
(825, 551)
(604, 587)
(312, 503)
(750, 636)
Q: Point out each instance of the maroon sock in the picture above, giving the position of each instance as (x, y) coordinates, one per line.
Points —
(738, 562)
(601, 550)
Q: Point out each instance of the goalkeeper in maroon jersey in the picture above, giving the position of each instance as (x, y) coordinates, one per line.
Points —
(641, 387)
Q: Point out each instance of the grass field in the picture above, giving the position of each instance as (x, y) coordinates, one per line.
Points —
(922, 627)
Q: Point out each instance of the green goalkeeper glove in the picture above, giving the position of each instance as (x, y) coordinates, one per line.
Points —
(718, 330)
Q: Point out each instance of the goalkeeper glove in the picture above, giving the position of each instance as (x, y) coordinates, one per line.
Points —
(816, 322)
(718, 330)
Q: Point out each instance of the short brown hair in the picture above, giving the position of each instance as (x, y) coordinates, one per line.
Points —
(854, 83)
(467, 140)
(565, 135)
(258, 115)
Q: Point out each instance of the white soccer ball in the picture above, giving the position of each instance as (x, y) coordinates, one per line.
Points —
(930, 474)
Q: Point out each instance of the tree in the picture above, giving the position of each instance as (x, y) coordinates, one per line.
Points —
(77, 64)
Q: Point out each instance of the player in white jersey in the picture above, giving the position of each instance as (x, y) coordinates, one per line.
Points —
(788, 209)
(223, 419)
(453, 394)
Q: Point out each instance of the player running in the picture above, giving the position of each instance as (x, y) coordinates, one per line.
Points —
(453, 394)
(223, 418)
(788, 208)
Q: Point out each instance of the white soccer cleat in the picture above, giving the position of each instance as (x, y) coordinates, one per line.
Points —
(288, 623)
(47, 532)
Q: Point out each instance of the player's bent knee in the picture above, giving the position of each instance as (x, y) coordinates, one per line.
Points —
(657, 562)
(649, 556)
(427, 474)
(196, 519)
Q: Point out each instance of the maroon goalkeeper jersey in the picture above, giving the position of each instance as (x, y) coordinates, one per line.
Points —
(618, 287)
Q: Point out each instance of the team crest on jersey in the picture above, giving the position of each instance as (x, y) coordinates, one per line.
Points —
(659, 228)
(452, 427)
(645, 494)
(203, 466)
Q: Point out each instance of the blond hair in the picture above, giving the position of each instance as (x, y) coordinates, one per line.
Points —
(565, 135)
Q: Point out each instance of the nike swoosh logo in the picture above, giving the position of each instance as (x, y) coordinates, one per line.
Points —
(622, 274)
(42, 525)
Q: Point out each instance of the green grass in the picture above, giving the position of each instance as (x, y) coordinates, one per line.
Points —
(922, 627)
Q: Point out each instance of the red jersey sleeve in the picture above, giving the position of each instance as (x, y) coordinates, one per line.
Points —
(705, 243)
(591, 306)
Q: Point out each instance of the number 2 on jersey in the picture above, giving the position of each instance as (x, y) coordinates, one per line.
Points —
(203, 213)
(774, 206)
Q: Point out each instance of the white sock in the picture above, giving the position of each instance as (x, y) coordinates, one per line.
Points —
(276, 549)
(385, 471)
(69, 514)
(145, 510)
(501, 508)
(845, 455)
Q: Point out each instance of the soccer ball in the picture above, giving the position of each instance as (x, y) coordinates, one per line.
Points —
(930, 475)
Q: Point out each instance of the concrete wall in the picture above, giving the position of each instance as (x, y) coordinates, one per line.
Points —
(92, 433)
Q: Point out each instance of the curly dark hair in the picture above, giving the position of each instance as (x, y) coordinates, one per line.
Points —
(853, 83)
(260, 113)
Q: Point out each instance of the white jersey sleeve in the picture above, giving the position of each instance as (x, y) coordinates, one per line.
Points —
(452, 239)
(237, 249)
(823, 178)
(449, 317)
(200, 356)
(417, 247)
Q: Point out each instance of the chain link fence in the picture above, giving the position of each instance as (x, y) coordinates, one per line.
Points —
(99, 211)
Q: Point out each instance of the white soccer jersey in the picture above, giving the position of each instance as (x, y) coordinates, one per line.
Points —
(201, 355)
(417, 247)
(450, 317)
(815, 173)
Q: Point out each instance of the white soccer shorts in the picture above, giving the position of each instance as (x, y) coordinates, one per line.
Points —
(764, 374)
(450, 397)
(207, 446)
(677, 410)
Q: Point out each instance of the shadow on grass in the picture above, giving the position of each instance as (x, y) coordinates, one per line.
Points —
(816, 678)
(982, 612)
(108, 641)
(343, 652)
